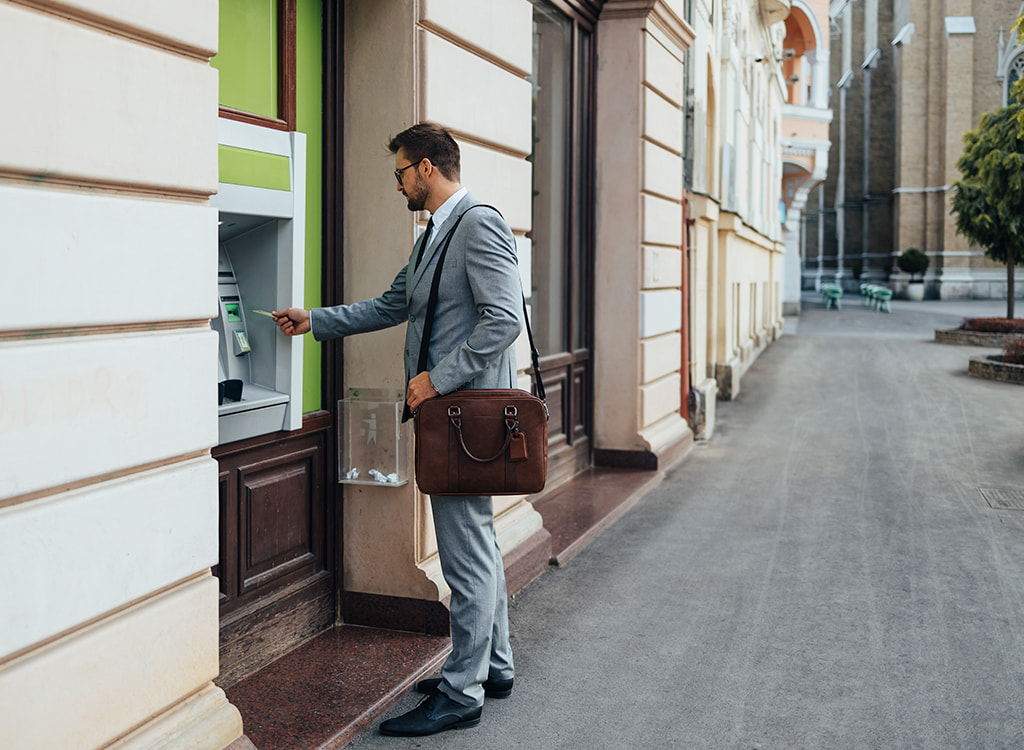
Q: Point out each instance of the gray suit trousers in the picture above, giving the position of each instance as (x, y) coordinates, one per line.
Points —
(472, 567)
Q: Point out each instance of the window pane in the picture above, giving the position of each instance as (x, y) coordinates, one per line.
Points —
(1014, 75)
(247, 56)
(552, 46)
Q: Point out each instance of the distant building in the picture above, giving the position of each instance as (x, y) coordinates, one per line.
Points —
(909, 80)
(806, 117)
(735, 239)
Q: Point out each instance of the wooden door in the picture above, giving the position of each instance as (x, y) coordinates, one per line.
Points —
(562, 235)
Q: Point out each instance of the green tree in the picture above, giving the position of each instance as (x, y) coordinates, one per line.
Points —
(989, 198)
(1017, 91)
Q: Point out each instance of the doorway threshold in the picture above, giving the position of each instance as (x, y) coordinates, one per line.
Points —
(327, 691)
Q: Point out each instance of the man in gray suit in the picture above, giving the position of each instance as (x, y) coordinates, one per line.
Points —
(477, 321)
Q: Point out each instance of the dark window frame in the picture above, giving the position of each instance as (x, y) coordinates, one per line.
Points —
(286, 44)
(584, 12)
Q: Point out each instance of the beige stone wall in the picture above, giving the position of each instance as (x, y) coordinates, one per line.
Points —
(661, 297)
(108, 497)
(914, 134)
(425, 56)
(988, 277)
(957, 117)
(703, 302)
(639, 228)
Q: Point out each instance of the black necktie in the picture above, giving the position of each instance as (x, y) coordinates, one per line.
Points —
(426, 241)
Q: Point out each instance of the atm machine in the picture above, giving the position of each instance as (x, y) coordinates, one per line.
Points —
(261, 203)
(247, 401)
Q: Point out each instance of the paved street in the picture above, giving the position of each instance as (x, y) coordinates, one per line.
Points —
(824, 573)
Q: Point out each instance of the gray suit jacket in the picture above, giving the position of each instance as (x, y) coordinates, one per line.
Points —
(479, 305)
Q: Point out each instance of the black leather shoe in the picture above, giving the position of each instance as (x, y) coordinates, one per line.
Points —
(492, 688)
(435, 713)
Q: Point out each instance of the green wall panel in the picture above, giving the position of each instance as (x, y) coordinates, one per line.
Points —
(239, 166)
(309, 120)
(247, 56)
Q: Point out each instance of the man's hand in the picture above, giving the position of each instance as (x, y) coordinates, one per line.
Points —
(419, 390)
(293, 322)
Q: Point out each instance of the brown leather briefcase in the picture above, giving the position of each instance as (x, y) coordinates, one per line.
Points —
(482, 442)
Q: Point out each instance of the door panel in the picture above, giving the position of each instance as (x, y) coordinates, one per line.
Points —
(581, 401)
(276, 569)
(276, 515)
(554, 388)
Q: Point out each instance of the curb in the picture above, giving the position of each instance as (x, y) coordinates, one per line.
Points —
(992, 367)
(972, 338)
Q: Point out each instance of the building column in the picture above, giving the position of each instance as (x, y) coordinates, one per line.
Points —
(819, 61)
(791, 263)
(639, 231)
(954, 272)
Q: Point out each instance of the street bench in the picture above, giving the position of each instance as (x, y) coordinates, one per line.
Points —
(832, 295)
(877, 296)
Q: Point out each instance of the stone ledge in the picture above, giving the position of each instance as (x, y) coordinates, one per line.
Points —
(992, 367)
(972, 338)
(324, 693)
(580, 510)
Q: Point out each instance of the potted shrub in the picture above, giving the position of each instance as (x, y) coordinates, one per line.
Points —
(914, 262)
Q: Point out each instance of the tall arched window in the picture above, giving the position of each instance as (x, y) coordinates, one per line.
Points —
(1014, 74)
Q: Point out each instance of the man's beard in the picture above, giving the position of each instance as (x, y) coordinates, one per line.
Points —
(417, 197)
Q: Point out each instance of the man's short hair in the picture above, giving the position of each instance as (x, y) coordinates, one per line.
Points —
(428, 140)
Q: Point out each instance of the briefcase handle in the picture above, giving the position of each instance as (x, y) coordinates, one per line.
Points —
(511, 430)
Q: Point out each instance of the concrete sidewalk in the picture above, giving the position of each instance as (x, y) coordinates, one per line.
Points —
(824, 573)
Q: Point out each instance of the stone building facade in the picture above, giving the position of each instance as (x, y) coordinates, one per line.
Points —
(911, 77)
(164, 152)
(951, 67)
(108, 493)
(806, 146)
(735, 277)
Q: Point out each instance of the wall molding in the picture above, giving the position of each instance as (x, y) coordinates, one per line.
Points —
(76, 15)
(657, 12)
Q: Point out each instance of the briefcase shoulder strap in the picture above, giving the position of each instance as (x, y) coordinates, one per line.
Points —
(428, 322)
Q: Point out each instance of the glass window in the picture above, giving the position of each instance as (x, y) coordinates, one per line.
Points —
(581, 236)
(562, 174)
(1012, 76)
(551, 79)
(247, 56)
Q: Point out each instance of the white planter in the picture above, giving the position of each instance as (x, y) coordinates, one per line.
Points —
(915, 291)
